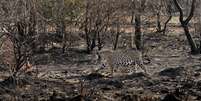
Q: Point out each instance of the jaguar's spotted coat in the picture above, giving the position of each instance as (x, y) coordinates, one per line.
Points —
(122, 58)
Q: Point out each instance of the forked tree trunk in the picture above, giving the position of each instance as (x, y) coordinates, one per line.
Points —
(165, 26)
(159, 28)
(184, 23)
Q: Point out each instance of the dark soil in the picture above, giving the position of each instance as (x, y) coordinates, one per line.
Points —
(174, 75)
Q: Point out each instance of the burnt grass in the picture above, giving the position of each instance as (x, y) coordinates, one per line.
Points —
(174, 75)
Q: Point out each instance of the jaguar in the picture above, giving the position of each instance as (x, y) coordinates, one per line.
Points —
(121, 59)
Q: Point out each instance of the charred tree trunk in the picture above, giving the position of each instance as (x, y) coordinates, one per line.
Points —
(100, 44)
(192, 43)
(87, 24)
(184, 24)
(93, 43)
(117, 35)
(88, 42)
(64, 44)
(63, 33)
(138, 33)
(158, 22)
(116, 40)
(198, 30)
(169, 11)
(165, 26)
(200, 42)
(20, 48)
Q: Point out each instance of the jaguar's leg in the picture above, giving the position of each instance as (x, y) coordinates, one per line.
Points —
(143, 68)
(135, 68)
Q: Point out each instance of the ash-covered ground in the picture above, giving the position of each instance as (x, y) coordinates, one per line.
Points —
(174, 75)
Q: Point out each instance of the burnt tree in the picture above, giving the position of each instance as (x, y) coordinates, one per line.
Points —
(185, 22)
